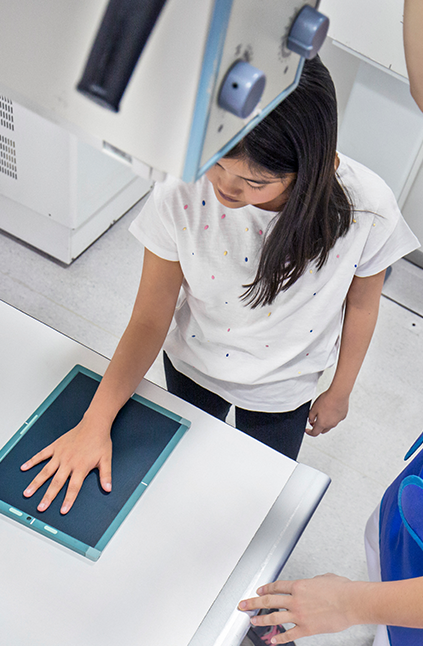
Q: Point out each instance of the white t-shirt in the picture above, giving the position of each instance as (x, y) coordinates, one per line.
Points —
(268, 358)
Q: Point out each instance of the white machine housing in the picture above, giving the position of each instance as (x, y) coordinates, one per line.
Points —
(169, 120)
(57, 192)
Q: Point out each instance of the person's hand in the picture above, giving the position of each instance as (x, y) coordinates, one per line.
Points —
(326, 412)
(73, 456)
(315, 606)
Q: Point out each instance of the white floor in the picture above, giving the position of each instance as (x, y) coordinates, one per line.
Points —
(91, 301)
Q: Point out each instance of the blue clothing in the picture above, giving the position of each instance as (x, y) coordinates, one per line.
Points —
(401, 536)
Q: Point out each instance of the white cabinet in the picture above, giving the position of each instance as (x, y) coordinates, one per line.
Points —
(381, 126)
(57, 193)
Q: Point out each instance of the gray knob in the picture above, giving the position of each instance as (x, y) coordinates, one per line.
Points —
(308, 32)
(242, 89)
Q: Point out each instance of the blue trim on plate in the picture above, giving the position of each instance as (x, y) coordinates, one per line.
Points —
(92, 553)
(39, 527)
(39, 411)
(209, 72)
(136, 495)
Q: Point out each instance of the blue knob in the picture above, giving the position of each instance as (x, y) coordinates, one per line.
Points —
(242, 89)
(308, 32)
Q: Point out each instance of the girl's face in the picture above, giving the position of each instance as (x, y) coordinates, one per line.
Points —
(236, 185)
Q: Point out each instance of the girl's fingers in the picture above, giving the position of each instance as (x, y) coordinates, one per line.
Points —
(313, 428)
(56, 485)
(45, 454)
(75, 483)
(70, 457)
(316, 430)
(40, 479)
(105, 472)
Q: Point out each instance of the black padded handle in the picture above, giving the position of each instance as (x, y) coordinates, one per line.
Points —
(122, 35)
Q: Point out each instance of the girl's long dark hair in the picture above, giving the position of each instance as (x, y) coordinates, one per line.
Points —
(299, 136)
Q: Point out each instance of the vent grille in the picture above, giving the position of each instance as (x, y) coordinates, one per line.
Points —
(8, 165)
(6, 113)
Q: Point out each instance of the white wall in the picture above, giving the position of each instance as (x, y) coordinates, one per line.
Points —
(343, 67)
(380, 126)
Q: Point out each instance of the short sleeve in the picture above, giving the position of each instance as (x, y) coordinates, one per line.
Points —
(154, 226)
(389, 238)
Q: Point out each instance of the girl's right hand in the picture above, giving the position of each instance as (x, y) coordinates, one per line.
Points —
(73, 456)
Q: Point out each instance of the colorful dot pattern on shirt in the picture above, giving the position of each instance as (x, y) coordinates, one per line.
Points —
(215, 239)
(225, 253)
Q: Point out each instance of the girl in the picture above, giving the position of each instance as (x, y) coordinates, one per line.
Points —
(277, 249)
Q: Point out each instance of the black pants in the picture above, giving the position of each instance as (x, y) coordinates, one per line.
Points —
(283, 432)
